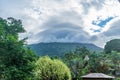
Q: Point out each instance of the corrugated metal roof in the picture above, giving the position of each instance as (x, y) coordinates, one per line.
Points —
(97, 75)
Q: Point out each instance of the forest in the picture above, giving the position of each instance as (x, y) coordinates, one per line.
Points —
(19, 62)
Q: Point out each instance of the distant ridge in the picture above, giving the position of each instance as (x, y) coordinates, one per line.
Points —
(60, 48)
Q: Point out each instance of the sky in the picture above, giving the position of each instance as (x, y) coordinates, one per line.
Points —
(83, 21)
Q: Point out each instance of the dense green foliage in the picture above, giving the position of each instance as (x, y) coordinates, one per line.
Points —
(48, 69)
(76, 63)
(58, 49)
(112, 45)
(82, 62)
(16, 61)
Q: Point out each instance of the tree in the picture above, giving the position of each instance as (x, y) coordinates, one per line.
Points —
(98, 63)
(16, 60)
(112, 45)
(115, 62)
(76, 62)
(48, 69)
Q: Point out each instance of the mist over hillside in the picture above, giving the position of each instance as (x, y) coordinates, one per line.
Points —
(60, 48)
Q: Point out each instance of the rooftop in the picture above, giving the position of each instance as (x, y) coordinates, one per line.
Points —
(97, 75)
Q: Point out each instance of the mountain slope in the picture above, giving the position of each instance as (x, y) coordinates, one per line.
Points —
(58, 48)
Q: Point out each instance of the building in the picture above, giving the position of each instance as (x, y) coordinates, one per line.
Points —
(97, 76)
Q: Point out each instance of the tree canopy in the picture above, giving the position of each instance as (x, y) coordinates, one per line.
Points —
(16, 61)
(112, 45)
(48, 69)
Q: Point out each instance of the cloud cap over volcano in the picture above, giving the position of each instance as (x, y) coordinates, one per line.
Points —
(93, 21)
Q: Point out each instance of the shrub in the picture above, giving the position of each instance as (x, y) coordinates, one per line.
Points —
(48, 69)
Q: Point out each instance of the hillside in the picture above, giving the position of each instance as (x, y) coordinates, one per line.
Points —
(58, 49)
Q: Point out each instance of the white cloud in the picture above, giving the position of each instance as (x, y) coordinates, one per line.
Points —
(37, 14)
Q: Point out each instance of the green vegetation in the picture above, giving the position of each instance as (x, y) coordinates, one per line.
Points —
(17, 62)
(59, 48)
(82, 62)
(113, 45)
(48, 69)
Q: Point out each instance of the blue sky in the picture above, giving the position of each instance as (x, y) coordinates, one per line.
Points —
(84, 21)
(102, 23)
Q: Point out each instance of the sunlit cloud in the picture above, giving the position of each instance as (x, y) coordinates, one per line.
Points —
(93, 21)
